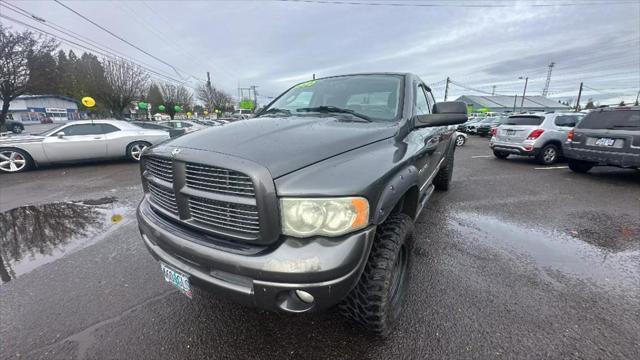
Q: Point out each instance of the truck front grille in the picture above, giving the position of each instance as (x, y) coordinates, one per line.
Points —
(230, 216)
(160, 168)
(212, 199)
(163, 198)
(215, 179)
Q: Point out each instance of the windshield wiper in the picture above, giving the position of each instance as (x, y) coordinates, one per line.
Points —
(335, 109)
(275, 111)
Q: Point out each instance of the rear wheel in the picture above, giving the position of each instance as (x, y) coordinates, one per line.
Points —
(500, 154)
(460, 140)
(14, 160)
(134, 150)
(548, 155)
(376, 301)
(579, 166)
(17, 129)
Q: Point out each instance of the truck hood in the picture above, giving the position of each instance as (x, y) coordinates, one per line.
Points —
(286, 144)
(20, 139)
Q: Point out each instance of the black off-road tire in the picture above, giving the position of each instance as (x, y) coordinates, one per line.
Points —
(579, 166)
(500, 154)
(543, 156)
(376, 301)
(442, 181)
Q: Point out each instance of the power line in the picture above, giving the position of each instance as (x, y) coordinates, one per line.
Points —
(119, 37)
(86, 48)
(76, 36)
(458, 5)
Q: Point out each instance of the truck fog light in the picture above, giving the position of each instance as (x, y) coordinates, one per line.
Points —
(304, 296)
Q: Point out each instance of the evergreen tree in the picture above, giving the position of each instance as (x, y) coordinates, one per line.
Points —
(42, 75)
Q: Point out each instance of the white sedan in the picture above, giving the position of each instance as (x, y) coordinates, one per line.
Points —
(77, 141)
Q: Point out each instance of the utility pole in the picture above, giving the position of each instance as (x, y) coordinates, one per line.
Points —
(446, 89)
(579, 95)
(255, 97)
(524, 92)
(545, 91)
(493, 90)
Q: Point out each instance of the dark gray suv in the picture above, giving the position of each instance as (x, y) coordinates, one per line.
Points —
(609, 136)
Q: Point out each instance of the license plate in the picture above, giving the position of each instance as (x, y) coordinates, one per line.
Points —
(177, 279)
(605, 142)
(511, 132)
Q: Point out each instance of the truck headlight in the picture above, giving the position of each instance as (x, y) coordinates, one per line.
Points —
(323, 216)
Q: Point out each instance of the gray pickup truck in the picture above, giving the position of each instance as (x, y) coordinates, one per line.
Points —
(308, 205)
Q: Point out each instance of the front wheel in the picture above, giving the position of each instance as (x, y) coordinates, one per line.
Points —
(460, 140)
(579, 166)
(376, 301)
(134, 150)
(14, 160)
(17, 129)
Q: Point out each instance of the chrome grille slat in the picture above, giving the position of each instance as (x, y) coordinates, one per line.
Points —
(221, 219)
(160, 168)
(227, 214)
(224, 181)
(163, 198)
(215, 179)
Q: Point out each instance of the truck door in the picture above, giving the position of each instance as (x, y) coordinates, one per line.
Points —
(426, 139)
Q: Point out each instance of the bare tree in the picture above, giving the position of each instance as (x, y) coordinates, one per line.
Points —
(213, 98)
(16, 48)
(125, 82)
(175, 95)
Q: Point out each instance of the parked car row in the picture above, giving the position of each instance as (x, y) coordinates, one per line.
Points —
(608, 136)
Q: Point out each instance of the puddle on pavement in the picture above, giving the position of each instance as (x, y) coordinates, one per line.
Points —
(581, 252)
(34, 235)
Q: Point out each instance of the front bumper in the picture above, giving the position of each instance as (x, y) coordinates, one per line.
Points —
(620, 159)
(326, 268)
(522, 150)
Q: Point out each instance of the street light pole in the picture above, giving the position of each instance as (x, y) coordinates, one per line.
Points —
(524, 92)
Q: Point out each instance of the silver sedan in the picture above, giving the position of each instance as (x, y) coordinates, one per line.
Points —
(77, 141)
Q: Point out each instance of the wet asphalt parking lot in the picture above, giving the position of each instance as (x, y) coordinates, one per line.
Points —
(517, 260)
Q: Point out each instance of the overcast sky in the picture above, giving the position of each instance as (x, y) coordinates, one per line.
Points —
(274, 44)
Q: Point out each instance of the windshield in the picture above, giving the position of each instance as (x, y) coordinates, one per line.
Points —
(376, 97)
(611, 120)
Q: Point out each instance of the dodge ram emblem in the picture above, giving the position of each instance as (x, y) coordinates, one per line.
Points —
(175, 152)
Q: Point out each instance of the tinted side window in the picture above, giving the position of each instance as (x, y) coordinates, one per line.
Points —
(524, 120)
(617, 119)
(422, 105)
(108, 128)
(84, 129)
(567, 120)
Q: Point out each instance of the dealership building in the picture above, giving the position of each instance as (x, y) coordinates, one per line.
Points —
(36, 108)
(500, 103)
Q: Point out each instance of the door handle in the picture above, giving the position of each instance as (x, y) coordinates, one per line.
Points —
(97, 137)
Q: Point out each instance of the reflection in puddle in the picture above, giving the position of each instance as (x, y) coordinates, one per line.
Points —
(610, 264)
(31, 236)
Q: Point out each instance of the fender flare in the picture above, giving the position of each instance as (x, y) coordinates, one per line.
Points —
(393, 191)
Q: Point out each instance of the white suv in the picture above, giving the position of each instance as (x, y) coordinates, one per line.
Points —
(537, 135)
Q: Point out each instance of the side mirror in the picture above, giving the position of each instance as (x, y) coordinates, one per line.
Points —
(60, 134)
(443, 114)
